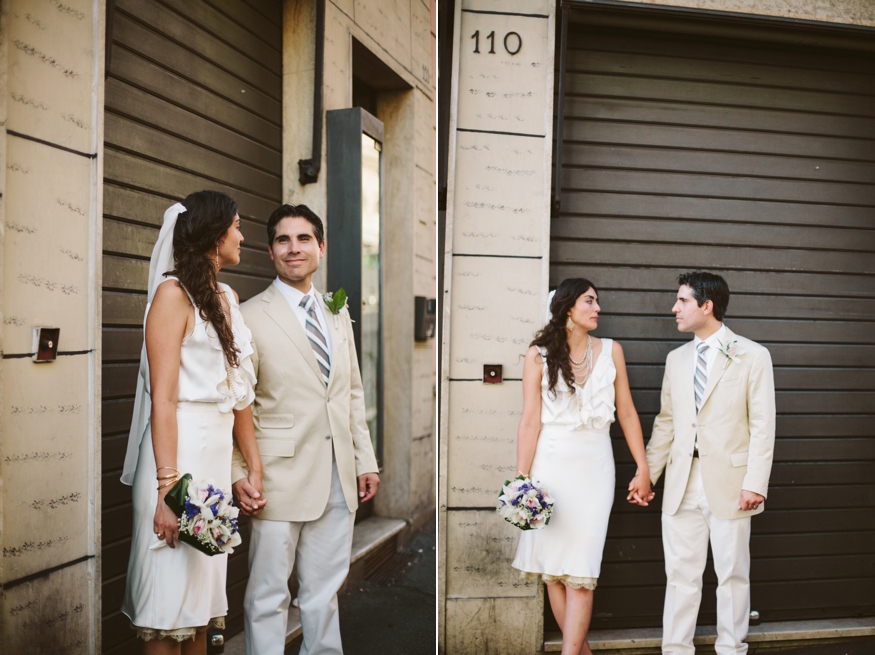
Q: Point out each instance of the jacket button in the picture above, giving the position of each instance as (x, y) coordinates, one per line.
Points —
(694, 425)
(327, 436)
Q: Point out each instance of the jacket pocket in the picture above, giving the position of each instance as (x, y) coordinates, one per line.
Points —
(276, 447)
(739, 459)
(276, 421)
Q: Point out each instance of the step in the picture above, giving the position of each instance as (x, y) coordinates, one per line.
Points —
(367, 536)
(644, 641)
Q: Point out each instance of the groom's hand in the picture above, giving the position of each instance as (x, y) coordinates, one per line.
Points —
(249, 499)
(640, 492)
(368, 483)
(749, 500)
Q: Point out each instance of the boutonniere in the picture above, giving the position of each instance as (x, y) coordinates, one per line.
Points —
(731, 351)
(335, 301)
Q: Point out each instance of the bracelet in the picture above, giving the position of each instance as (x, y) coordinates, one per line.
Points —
(161, 468)
(168, 477)
(525, 475)
(167, 484)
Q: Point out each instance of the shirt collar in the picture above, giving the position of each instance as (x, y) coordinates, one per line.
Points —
(293, 295)
(714, 340)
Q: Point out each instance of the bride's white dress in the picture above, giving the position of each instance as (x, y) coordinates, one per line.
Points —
(173, 592)
(575, 463)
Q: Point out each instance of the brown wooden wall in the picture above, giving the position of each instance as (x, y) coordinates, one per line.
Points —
(193, 101)
(757, 162)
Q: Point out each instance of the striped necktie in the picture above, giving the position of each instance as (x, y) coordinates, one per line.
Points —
(316, 337)
(701, 379)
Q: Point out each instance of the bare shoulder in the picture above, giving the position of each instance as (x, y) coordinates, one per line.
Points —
(171, 295)
(533, 354)
(617, 353)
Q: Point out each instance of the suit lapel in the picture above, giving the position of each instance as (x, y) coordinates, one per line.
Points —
(280, 311)
(719, 368)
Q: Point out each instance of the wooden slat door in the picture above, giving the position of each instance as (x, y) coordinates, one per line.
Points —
(193, 101)
(756, 162)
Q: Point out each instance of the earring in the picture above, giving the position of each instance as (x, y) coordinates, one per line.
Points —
(217, 255)
(569, 324)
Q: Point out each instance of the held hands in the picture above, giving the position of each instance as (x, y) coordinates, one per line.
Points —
(640, 492)
(749, 500)
(368, 483)
(248, 494)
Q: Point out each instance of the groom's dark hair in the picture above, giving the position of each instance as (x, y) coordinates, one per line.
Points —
(294, 211)
(707, 286)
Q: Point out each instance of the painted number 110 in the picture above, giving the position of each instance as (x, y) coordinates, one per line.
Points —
(513, 42)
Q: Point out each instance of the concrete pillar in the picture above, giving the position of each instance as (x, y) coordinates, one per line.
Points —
(51, 99)
(496, 281)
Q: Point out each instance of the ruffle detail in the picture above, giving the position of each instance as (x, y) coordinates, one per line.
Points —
(568, 580)
(178, 634)
(236, 385)
(590, 407)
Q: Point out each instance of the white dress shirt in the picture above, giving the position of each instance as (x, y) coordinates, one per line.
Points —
(713, 342)
(294, 297)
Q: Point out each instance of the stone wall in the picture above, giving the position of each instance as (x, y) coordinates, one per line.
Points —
(51, 86)
(496, 285)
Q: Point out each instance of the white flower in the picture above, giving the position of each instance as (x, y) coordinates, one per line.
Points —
(731, 351)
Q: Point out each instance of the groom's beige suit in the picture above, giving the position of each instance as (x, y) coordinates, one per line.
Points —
(708, 458)
(314, 442)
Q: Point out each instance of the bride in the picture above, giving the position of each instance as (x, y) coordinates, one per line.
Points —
(571, 381)
(194, 371)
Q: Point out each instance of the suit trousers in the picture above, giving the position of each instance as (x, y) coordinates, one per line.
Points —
(322, 549)
(685, 537)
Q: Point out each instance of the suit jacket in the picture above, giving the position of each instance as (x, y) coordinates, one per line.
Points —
(735, 427)
(298, 420)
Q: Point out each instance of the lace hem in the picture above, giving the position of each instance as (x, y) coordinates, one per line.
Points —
(178, 634)
(568, 580)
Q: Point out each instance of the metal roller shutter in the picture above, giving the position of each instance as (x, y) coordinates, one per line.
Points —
(756, 161)
(193, 101)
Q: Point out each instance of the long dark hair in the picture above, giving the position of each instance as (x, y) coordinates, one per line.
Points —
(208, 216)
(552, 336)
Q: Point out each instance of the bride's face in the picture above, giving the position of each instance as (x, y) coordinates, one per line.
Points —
(229, 244)
(585, 311)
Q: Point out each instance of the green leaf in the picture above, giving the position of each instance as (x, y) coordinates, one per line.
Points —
(339, 299)
(335, 301)
(175, 498)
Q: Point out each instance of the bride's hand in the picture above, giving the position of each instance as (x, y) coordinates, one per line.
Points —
(640, 492)
(165, 525)
(249, 495)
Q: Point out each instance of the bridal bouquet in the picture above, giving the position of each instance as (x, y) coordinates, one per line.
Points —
(525, 503)
(207, 516)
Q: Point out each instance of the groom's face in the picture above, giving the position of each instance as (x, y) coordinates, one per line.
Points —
(295, 251)
(689, 316)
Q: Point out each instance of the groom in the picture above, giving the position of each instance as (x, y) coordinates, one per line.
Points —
(714, 437)
(309, 416)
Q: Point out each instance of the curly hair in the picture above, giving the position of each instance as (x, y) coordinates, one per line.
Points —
(552, 336)
(208, 216)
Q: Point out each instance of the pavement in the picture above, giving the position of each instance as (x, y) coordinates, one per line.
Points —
(396, 613)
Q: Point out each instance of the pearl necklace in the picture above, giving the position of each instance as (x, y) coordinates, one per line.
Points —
(582, 368)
